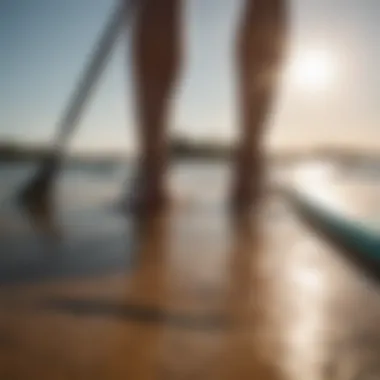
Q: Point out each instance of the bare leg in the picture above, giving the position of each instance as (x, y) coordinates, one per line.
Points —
(156, 65)
(261, 43)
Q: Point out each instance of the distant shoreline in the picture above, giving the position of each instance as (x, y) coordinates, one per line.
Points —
(186, 150)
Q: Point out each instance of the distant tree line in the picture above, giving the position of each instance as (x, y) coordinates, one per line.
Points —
(184, 148)
(10, 152)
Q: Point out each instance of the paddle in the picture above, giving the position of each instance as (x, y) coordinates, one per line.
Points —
(39, 188)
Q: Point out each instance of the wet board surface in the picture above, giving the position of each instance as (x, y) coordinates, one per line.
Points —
(190, 295)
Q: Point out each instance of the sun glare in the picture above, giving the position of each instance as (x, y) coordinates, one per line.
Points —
(312, 71)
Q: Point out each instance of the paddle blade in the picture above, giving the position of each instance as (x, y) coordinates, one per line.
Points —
(38, 191)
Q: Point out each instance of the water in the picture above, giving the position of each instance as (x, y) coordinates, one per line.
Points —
(85, 187)
(97, 237)
(81, 189)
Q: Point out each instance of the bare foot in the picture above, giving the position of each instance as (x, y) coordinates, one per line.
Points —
(144, 203)
(247, 191)
(143, 200)
(244, 199)
(146, 197)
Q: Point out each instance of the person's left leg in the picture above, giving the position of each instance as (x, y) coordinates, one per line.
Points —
(156, 54)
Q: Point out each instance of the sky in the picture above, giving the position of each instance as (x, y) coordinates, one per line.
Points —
(330, 92)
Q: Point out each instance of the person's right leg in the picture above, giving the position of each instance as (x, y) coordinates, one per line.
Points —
(261, 44)
(156, 65)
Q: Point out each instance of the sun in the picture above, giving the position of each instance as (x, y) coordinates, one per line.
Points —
(312, 70)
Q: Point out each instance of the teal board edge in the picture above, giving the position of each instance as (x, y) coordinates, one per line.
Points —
(349, 233)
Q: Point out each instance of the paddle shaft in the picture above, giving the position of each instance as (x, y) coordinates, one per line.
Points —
(91, 74)
(38, 189)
